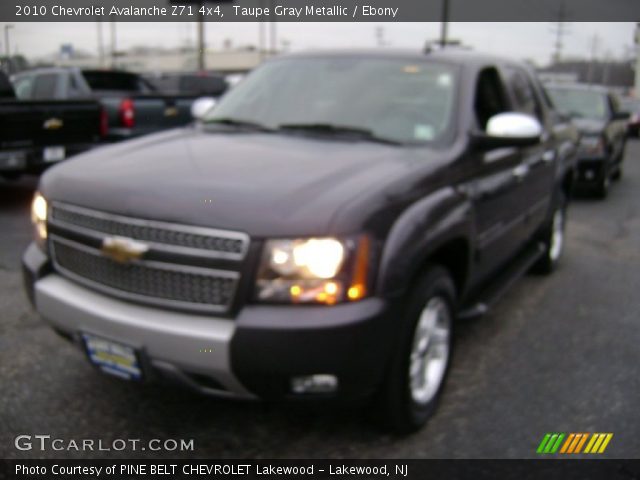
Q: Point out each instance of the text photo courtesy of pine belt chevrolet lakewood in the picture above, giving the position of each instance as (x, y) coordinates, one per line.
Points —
(317, 239)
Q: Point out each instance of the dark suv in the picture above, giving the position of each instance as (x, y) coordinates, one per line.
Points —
(597, 113)
(314, 235)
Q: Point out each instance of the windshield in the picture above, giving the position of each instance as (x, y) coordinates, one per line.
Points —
(394, 99)
(579, 103)
(631, 105)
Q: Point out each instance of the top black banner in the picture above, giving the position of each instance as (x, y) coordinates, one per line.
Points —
(318, 10)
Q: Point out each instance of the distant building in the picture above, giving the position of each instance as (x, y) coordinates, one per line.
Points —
(613, 74)
(164, 60)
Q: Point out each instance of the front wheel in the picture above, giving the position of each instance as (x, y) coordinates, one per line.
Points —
(420, 364)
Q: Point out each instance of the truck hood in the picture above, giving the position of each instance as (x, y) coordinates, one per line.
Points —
(260, 183)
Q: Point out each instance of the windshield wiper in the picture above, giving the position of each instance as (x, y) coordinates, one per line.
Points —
(236, 122)
(332, 129)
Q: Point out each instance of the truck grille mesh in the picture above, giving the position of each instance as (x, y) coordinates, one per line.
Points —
(147, 281)
(164, 276)
(230, 244)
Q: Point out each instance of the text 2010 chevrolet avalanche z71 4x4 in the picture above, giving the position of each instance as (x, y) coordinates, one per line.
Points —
(315, 234)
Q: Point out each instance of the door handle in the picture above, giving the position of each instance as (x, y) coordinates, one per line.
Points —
(520, 171)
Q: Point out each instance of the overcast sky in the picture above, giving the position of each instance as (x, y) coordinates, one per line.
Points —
(521, 40)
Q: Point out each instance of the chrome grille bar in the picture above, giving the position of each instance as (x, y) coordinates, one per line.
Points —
(161, 236)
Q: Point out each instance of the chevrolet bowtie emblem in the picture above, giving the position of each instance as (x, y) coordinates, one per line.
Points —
(53, 124)
(122, 249)
(170, 112)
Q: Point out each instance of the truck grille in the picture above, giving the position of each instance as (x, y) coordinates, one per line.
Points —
(165, 236)
(173, 285)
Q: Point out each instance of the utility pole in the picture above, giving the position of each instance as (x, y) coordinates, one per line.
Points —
(444, 24)
(560, 29)
(273, 28)
(114, 45)
(100, 44)
(7, 47)
(261, 34)
(201, 44)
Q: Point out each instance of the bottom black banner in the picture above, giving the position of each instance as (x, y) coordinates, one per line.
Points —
(322, 469)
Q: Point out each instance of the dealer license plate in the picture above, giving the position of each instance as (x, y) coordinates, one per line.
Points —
(112, 357)
(53, 154)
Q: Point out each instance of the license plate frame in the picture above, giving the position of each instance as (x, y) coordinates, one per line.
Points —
(113, 357)
(54, 154)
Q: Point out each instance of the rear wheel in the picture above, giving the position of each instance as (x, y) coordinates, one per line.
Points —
(617, 175)
(553, 239)
(413, 385)
(602, 189)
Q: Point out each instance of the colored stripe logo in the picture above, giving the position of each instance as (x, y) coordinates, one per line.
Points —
(572, 443)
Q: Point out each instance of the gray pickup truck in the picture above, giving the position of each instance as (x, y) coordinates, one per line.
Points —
(316, 235)
(132, 105)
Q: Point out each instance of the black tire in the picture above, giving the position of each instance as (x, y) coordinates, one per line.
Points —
(550, 236)
(396, 405)
(602, 189)
(617, 175)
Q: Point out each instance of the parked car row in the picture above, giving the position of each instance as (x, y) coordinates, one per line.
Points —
(53, 113)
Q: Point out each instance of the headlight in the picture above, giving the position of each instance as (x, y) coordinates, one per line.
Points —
(39, 212)
(314, 270)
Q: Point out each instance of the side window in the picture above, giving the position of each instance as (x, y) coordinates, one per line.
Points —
(74, 88)
(524, 96)
(24, 88)
(143, 86)
(490, 98)
(44, 86)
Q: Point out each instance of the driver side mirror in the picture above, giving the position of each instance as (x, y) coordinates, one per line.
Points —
(510, 129)
(201, 106)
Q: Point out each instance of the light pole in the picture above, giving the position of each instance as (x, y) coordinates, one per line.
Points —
(114, 45)
(272, 25)
(7, 48)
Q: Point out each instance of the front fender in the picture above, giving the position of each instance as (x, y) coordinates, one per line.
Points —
(422, 228)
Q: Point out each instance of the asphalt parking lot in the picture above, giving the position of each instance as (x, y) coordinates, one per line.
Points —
(558, 354)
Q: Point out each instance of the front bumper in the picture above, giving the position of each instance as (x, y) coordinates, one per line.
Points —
(255, 355)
